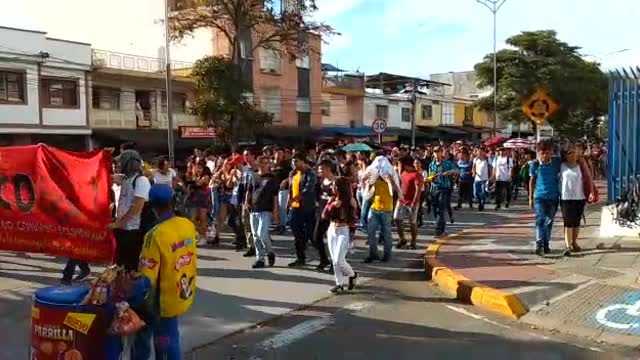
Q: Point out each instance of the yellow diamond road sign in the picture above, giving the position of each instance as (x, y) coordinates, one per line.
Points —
(539, 107)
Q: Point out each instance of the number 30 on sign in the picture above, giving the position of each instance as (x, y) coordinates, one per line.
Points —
(379, 126)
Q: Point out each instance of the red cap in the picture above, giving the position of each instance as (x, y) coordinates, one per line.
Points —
(237, 159)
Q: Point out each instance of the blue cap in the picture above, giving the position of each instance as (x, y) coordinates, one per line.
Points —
(160, 194)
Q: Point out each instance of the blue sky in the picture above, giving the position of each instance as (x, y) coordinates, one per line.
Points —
(414, 37)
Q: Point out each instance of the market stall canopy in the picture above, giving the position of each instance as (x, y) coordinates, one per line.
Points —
(518, 144)
(494, 141)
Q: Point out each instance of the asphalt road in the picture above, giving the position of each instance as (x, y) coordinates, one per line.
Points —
(401, 317)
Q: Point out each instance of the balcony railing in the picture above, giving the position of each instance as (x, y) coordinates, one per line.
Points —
(114, 60)
(344, 82)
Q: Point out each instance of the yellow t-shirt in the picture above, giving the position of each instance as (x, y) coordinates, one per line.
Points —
(382, 198)
(295, 188)
(168, 259)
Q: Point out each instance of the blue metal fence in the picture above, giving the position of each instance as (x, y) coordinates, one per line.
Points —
(624, 123)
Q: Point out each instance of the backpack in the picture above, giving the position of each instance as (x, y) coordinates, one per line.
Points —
(148, 217)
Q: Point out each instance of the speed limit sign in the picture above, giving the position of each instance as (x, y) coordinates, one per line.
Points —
(379, 126)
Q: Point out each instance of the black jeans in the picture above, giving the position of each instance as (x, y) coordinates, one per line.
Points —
(441, 202)
(302, 226)
(70, 269)
(465, 193)
(128, 247)
(319, 233)
(503, 192)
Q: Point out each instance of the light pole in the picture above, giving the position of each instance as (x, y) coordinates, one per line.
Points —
(607, 55)
(169, 91)
(494, 6)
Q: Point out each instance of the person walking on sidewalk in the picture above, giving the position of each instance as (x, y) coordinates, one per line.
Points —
(407, 207)
(327, 183)
(480, 172)
(441, 172)
(262, 203)
(502, 169)
(302, 201)
(576, 188)
(544, 194)
(465, 183)
(341, 212)
(247, 180)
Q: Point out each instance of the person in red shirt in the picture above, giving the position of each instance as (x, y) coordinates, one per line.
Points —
(407, 206)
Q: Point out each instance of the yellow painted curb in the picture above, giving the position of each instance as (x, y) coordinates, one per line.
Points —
(467, 290)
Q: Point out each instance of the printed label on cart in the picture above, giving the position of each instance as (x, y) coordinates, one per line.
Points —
(79, 321)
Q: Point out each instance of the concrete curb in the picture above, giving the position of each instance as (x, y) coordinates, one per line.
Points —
(467, 290)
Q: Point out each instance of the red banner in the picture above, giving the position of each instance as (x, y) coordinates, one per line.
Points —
(55, 202)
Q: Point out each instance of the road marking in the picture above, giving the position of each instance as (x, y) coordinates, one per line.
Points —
(302, 330)
(476, 316)
(296, 333)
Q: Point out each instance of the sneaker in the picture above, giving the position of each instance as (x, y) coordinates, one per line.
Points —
(271, 258)
(576, 248)
(258, 265)
(401, 244)
(413, 246)
(457, 207)
(539, 252)
(251, 252)
(297, 263)
(370, 259)
(386, 258)
(352, 281)
(498, 207)
(322, 266)
(65, 282)
(567, 252)
(480, 207)
(547, 250)
(338, 289)
(506, 206)
(83, 275)
(452, 220)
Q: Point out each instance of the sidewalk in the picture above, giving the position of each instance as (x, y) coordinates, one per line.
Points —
(591, 294)
(231, 296)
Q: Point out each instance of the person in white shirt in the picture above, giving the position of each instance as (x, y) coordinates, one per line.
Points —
(480, 171)
(128, 228)
(164, 175)
(502, 169)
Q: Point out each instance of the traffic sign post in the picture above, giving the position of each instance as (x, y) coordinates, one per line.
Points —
(379, 126)
(539, 107)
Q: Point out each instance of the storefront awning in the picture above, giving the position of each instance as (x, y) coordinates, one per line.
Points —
(450, 130)
(348, 131)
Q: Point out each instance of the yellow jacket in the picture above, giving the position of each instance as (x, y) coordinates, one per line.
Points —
(168, 259)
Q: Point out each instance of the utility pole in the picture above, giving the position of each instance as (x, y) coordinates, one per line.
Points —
(169, 91)
(494, 6)
(413, 113)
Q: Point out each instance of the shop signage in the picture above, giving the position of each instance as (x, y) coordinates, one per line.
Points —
(195, 132)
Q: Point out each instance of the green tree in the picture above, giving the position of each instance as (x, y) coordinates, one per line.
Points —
(221, 97)
(539, 60)
(246, 25)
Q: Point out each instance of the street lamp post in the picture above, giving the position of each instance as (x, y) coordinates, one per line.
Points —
(494, 6)
(169, 91)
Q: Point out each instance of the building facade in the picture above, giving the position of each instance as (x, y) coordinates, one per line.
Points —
(129, 102)
(43, 90)
(342, 99)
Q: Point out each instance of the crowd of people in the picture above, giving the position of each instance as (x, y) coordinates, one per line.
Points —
(324, 195)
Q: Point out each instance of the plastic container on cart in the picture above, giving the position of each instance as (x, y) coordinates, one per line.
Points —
(62, 328)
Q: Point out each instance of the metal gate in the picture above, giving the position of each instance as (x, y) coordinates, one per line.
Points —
(624, 120)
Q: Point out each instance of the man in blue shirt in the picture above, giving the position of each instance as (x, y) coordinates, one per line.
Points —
(441, 174)
(544, 194)
(465, 186)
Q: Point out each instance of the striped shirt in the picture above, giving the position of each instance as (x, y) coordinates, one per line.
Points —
(442, 182)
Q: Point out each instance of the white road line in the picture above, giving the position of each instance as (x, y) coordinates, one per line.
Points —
(296, 333)
(302, 330)
(476, 316)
